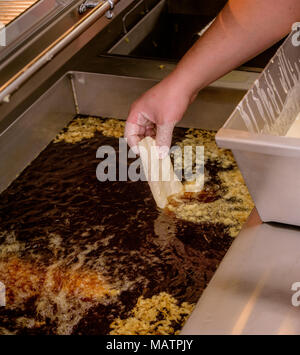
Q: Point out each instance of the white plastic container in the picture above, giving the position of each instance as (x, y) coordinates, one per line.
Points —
(255, 132)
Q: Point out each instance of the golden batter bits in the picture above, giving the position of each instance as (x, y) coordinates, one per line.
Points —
(153, 316)
(74, 263)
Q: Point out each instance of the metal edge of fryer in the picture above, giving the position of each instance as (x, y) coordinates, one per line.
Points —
(253, 290)
(98, 95)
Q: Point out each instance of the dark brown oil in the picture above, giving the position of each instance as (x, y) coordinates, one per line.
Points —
(137, 247)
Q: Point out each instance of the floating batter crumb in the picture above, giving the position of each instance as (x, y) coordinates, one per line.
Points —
(225, 198)
(231, 208)
(85, 128)
(158, 315)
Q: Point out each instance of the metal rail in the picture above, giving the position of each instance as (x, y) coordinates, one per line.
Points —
(51, 51)
(9, 10)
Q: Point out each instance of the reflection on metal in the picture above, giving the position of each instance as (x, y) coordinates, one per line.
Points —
(250, 292)
(28, 135)
(109, 13)
(2, 295)
(139, 32)
(2, 35)
(31, 24)
(132, 10)
(56, 47)
(201, 33)
(91, 4)
(88, 4)
(241, 323)
(11, 9)
(71, 77)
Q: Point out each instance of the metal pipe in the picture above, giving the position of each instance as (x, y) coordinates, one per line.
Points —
(37, 63)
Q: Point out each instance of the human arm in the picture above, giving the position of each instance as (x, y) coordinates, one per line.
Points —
(243, 29)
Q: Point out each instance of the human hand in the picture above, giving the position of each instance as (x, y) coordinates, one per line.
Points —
(156, 113)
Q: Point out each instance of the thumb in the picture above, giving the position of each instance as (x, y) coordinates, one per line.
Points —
(164, 137)
(134, 131)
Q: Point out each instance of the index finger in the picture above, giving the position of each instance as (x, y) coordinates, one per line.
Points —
(135, 129)
(133, 134)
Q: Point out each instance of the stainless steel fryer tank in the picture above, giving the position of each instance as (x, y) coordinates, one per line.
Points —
(98, 86)
(83, 76)
(99, 95)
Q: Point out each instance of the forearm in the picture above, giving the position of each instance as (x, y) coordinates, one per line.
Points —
(243, 29)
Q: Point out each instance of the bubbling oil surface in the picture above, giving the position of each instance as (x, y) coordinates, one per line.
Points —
(76, 253)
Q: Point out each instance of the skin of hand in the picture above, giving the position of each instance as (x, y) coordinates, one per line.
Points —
(243, 29)
(156, 113)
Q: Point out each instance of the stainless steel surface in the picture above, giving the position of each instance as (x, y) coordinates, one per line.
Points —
(253, 282)
(137, 34)
(251, 292)
(15, 82)
(270, 164)
(96, 34)
(100, 95)
(23, 140)
(111, 96)
(157, 69)
(91, 4)
(109, 13)
(136, 6)
(208, 111)
(10, 9)
(34, 20)
(87, 4)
